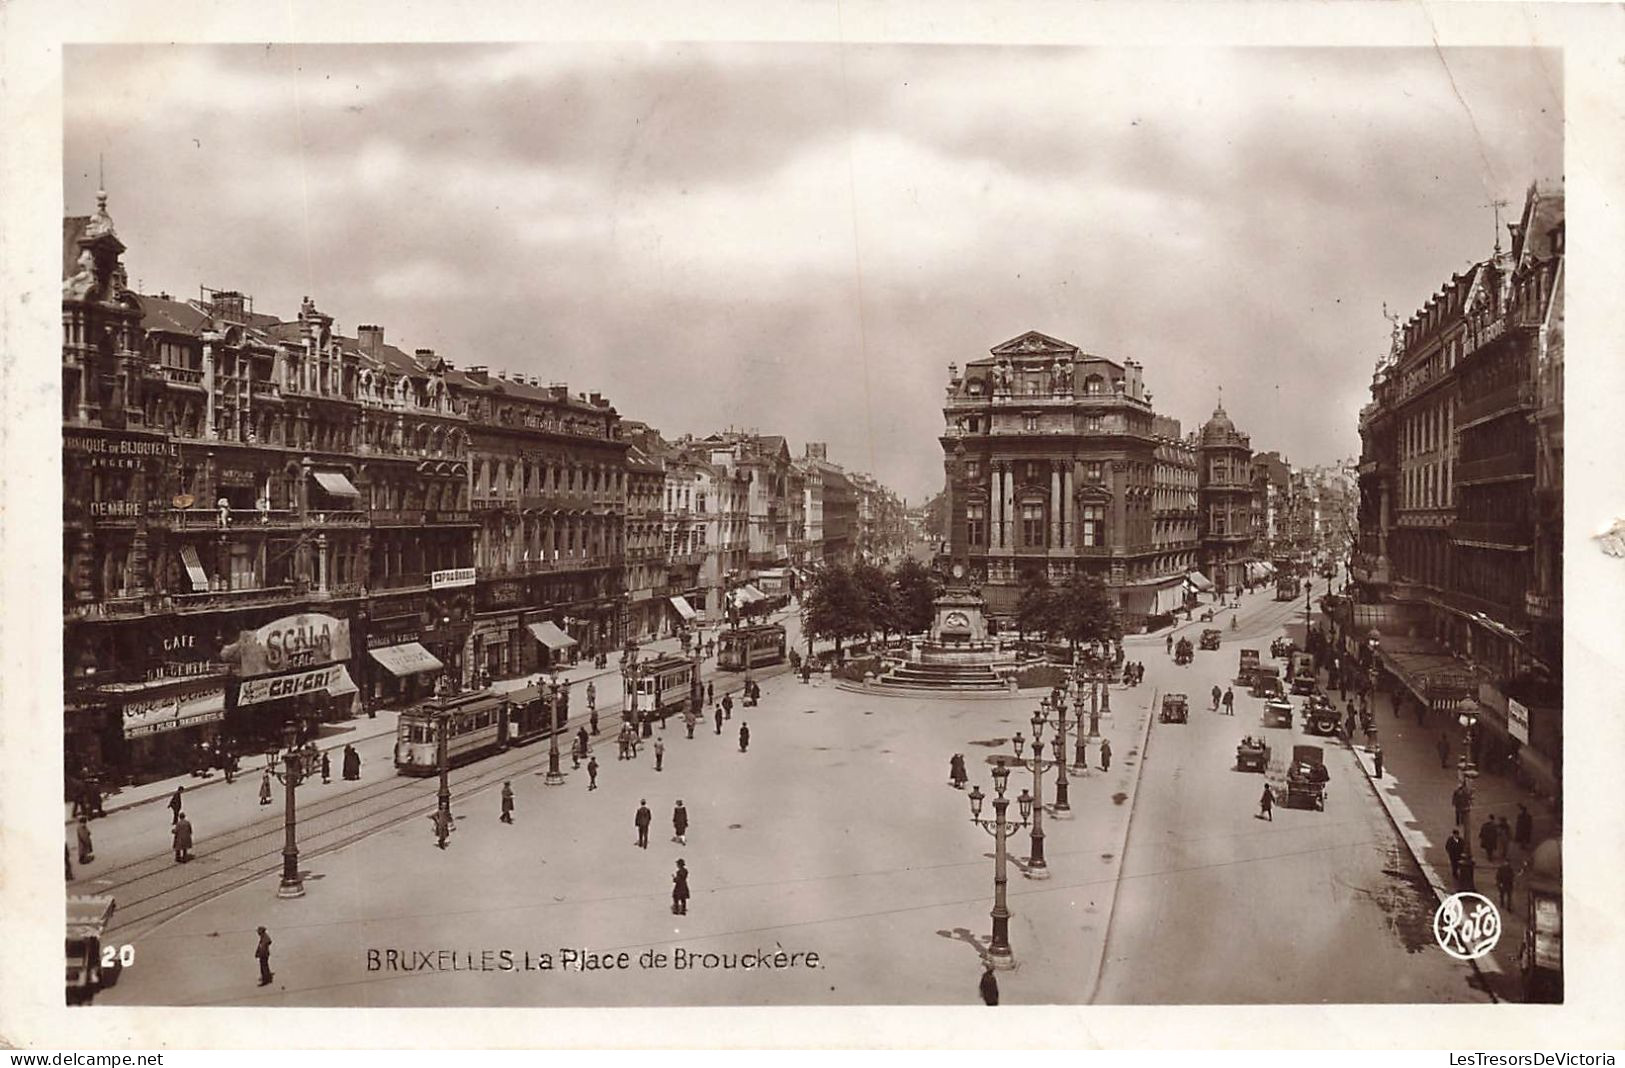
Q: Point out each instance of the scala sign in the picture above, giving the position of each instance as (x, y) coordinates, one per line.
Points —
(304, 640)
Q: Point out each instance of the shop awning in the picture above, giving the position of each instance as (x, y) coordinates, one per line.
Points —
(1199, 580)
(1137, 602)
(334, 679)
(683, 608)
(550, 635)
(194, 569)
(335, 483)
(407, 658)
(174, 711)
(1168, 599)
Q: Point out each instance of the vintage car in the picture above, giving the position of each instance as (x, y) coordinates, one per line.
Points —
(1267, 682)
(1278, 712)
(90, 968)
(1304, 686)
(1300, 665)
(1182, 651)
(1319, 716)
(1175, 708)
(1252, 754)
(1246, 667)
(1306, 778)
(1210, 638)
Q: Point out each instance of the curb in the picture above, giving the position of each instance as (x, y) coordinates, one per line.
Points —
(1122, 848)
(1436, 884)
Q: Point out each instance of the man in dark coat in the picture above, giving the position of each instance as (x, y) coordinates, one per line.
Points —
(507, 802)
(1216, 695)
(719, 715)
(592, 773)
(175, 806)
(679, 824)
(327, 769)
(744, 737)
(1523, 829)
(87, 852)
(1229, 701)
(989, 985)
(641, 821)
(727, 706)
(1266, 805)
(679, 889)
(1105, 754)
(182, 835)
(1503, 882)
(1453, 847)
(265, 788)
(1460, 798)
(660, 754)
(710, 694)
(1487, 837)
(263, 953)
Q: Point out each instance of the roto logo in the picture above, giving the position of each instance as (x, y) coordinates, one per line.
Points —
(1467, 926)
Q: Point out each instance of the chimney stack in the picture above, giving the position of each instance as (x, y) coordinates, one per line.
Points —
(479, 373)
(370, 337)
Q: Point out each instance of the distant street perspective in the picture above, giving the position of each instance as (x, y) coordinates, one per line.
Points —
(1205, 655)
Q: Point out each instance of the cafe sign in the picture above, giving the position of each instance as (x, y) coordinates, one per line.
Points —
(300, 641)
(171, 713)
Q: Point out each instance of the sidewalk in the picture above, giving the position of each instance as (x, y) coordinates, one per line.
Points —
(335, 736)
(1415, 791)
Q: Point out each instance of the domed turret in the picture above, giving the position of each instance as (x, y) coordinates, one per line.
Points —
(1218, 430)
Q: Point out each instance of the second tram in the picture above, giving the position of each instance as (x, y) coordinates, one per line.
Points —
(662, 686)
(477, 725)
(748, 647)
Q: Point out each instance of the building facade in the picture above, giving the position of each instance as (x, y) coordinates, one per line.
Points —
(1224, 489)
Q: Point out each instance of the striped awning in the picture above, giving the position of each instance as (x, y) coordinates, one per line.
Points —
(1199, 580)
(194, 569)
(683, 608)
(550, 635)
(407, 658)
(335, 483)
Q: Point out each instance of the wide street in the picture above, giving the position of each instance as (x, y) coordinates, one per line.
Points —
(1219, 906)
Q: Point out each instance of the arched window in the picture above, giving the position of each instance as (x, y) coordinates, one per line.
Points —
(1094, 386)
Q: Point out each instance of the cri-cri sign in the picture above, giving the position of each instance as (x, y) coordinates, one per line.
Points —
(304, 640)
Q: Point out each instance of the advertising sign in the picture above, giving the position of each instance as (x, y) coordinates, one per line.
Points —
(454, 576)
(1517, 721)
(304, 640)
(330, 679)
(174, 711)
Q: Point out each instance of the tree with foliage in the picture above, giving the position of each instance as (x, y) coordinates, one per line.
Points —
(833, 606)
(915, 590)
(1038, 610)
(1085, 612)
(879, 603)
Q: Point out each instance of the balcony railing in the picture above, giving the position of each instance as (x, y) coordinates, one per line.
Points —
(1509, 465)
(1496, 402)
(209, 518)
(181, 376)
(347, 518)
(192, 602)
(1494, 532)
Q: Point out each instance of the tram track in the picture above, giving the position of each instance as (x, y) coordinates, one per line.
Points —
(154, 889)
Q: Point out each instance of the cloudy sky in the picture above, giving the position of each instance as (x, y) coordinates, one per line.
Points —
(800, 238)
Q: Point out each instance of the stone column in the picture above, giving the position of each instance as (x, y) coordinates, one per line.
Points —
(1055, 506)
(1009, 506)
(1069, 509)
(995, 528)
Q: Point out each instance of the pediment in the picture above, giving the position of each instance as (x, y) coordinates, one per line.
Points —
(1033, 343)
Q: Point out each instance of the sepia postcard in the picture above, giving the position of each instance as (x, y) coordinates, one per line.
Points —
(865, 513)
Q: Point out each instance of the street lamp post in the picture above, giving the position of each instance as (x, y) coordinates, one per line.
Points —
(1468, 718)
(1063, 810)
(998, 950)
(442, 822)
(554, 776)
(292, 773)
(1080, 759)
(1037, 867)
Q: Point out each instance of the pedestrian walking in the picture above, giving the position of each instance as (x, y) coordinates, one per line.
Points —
(262, 953)
(1443, 746)
(181, 834)
(1168, 643)
(719, 717)
(688, 721)
(592, 773)
(175, 805)
(327, 769)
(641, 821)
(1487, 837)
(1503, 836)
(1461, 799)
(622, 742)
(1454, 846)
(1266, 805)
(744, 737)
(265, 788)
(1217, 695)
(86, 852)
(989, 986)
(1376, 761)
(710, 694)
(1229, 701)
(352, 763)
(727, 706)
(956, 771)
(1105, 754)
(679, 889)
(679, 824)
(660, 753)
(1523, 831)
(592, 697)
(1503, 881)
(592, 721)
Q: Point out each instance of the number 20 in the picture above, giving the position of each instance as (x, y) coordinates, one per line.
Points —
(125, 955)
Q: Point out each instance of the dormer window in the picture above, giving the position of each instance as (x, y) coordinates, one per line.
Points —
(975, 387)
(1094, 386)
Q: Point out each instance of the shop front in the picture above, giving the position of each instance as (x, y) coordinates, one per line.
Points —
(558, 649)
(296, 670)
(400, 671)
(164, 728)
(498, 641)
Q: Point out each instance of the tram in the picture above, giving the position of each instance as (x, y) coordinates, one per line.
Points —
(748, 647)
(662, 686)
(477, 725)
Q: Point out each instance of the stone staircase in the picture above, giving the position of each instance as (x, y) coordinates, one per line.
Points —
(950, 677)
